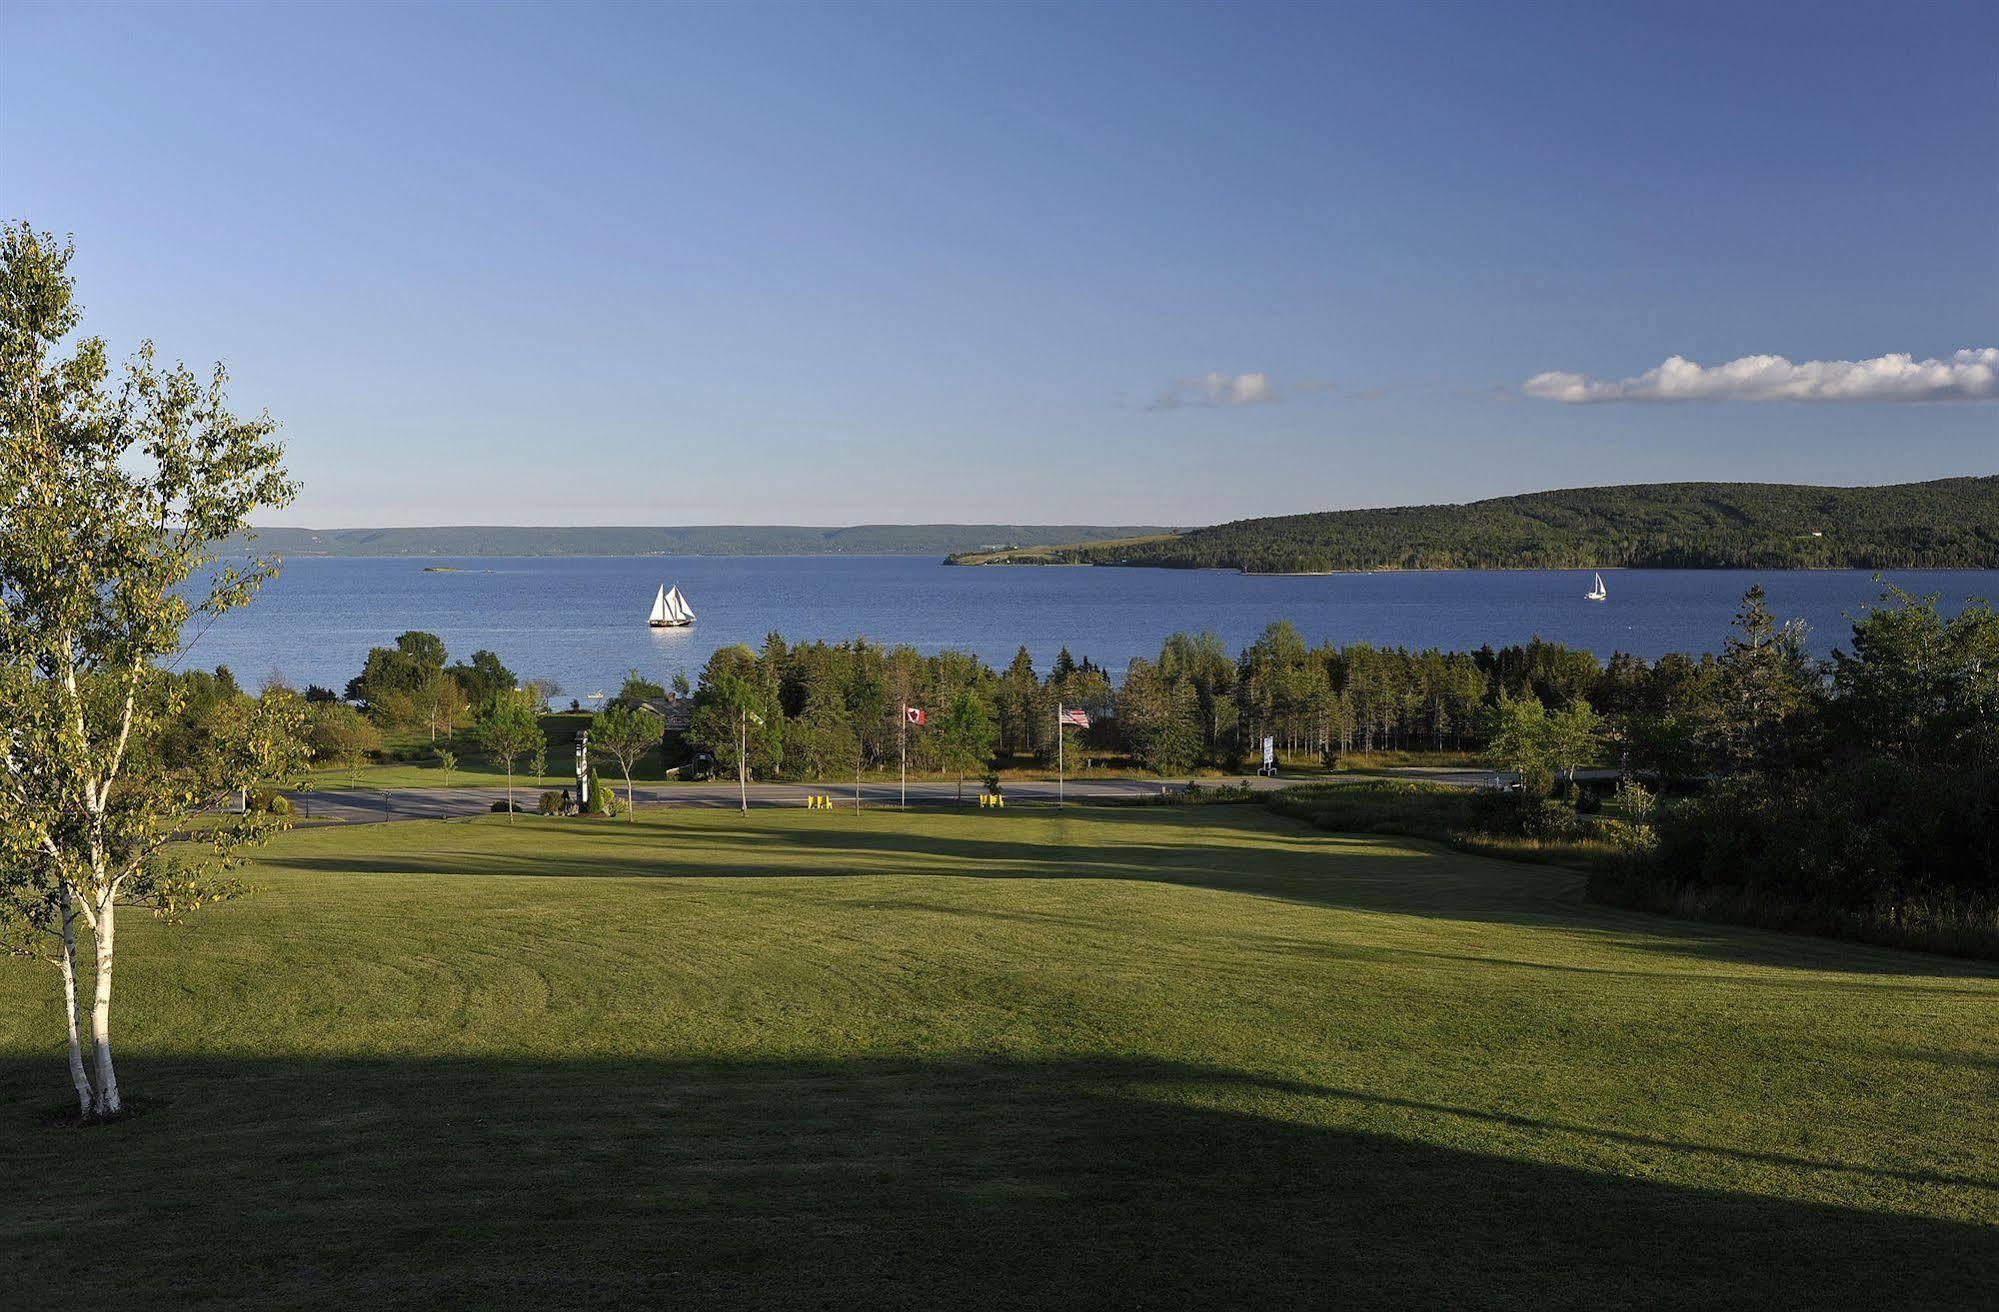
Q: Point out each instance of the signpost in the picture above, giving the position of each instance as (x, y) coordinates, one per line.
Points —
(583, 772)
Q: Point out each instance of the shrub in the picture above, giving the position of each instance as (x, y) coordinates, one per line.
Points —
(599, 803)
(267, 802)
(551, 803)
(340, 735)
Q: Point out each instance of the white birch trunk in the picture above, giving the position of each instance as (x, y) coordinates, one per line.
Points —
(72, 1006)
(108, 1102)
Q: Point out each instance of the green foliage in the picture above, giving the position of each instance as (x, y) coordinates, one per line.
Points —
(484, 679)
(1948, 523)
(636, 689)
(340, 735)
(734, 720)
(625, 733)
(113, 504)
(822, 742)
(601, 802)
(508, 729)
(965, 736)
(1856, 808)
(397, 672)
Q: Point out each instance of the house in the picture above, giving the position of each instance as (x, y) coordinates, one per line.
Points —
(676, 714)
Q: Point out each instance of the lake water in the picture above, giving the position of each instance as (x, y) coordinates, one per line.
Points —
(582, 621)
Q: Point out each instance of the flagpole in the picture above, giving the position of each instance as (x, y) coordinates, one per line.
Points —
(1061, 783)
(902, 744)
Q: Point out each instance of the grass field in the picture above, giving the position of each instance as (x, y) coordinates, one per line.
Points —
(1163, 1057)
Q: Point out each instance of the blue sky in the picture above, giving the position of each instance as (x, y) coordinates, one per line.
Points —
(1105, 263)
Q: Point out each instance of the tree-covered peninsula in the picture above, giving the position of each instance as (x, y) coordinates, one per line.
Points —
(1948, 523)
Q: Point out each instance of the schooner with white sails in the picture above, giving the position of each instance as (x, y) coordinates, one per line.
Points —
(670, 610)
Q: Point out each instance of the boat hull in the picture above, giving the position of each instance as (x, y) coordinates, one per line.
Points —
(669, 624)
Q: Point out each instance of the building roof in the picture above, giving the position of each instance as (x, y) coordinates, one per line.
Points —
(676, 711)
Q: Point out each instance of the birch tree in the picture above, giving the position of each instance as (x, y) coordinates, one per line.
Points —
(509, 728)
(626, 732)
(114, 500)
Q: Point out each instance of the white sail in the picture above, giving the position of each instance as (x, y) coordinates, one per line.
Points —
(1599, 592)
(677, 606)
(659, 611)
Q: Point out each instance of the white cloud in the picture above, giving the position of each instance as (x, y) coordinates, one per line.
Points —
(1217, 389)
(1971, 375)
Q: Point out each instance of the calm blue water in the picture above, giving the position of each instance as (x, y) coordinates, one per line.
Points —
(582, 621)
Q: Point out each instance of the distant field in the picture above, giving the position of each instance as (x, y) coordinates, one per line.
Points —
(1060, 553)
(1170, 1057)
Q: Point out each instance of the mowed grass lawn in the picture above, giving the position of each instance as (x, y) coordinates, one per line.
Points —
(1110, 1058)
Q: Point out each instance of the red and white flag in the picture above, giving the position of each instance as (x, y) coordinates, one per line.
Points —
(913, 714)
(1075, 717)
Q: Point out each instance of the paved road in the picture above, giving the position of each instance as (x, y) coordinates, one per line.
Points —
(438, 803)
(441, 803)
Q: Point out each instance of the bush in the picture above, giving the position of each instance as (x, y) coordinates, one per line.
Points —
(1501, 824)
(340, 735)
(503, 806)
(551, 803)
(1549, 819)
(265, 802)
(600, 802)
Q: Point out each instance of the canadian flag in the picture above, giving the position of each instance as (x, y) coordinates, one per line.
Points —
(913, 714)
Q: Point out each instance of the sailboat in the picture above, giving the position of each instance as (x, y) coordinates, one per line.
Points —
(1597, 593)
(670, 610)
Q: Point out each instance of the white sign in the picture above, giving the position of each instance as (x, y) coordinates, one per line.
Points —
(1269, 753)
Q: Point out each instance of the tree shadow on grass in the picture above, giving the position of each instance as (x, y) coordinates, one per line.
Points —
(1278, 858)
(977, 1183)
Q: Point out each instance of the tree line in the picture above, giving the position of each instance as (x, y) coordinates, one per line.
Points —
(820, 709)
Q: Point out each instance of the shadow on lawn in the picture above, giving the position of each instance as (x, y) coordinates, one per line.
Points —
(1279, 858)
(1093, 1183)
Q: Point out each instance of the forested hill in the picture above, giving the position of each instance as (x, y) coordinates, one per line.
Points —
(692, 540)
(1948, 523)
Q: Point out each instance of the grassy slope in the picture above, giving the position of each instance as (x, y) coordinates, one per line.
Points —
(1053, 553)
(1105, 1057)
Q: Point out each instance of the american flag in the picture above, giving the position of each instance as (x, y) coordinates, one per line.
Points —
(1075, 717)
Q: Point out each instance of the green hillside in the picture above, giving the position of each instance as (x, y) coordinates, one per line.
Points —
(1950, 523)
(687, 540)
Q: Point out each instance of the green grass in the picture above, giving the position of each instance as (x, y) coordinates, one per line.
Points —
(412, 762)
(1164, 1057)
(1058, 553)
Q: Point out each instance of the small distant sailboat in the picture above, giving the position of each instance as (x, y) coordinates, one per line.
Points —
(1597, 593)
(670, 610)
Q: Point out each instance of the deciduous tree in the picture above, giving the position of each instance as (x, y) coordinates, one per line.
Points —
(625, 733)
(509, 728)
(113, 502)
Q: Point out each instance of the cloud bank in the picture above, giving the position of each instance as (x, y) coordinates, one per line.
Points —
(1971, 375)
(1217, 389)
